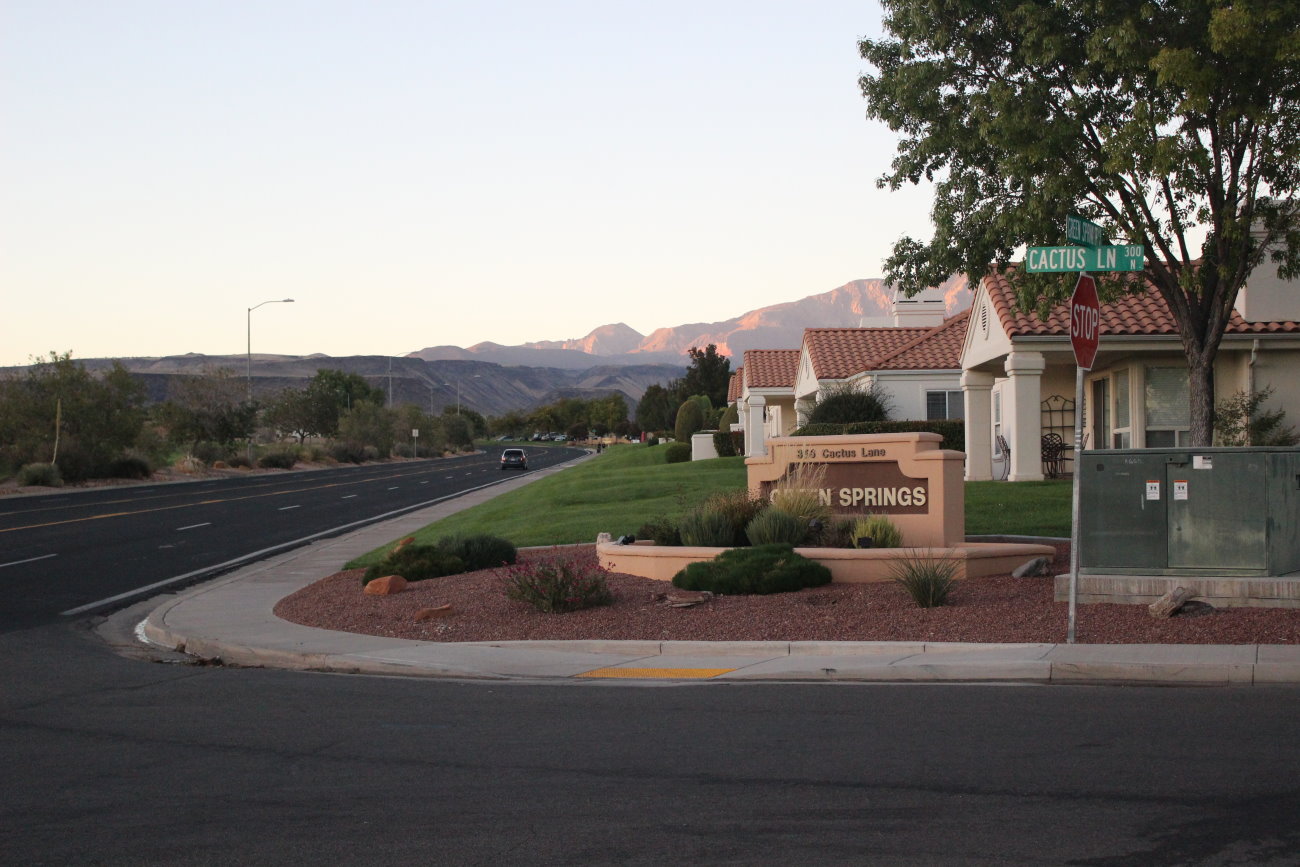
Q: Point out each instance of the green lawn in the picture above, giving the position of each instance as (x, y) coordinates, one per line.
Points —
(619, 490)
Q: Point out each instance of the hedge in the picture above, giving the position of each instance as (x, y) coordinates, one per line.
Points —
(953, 431)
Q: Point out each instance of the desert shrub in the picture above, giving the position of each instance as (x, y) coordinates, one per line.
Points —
(369, 453)
(661, 530)
(315, 453)
(189, 464)
(880, 530)
(416, 563)
(556, 586)
(130, 467)
(799, 493)
(278, 459)
(775, 526)
(347, 452)
(239, 461)
(677, 453)
(740, 507)
(835, 533)
(76, 464)
(706, 527)
(760, 570)
(927, 579)
(480, 551)
(46, 475)
(208, 451)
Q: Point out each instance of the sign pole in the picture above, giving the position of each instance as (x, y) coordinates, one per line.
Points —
(1074, 503)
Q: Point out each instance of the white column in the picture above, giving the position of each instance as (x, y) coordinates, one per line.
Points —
(755, 427)
(977, 395)
(803, 408)
(1023, 415)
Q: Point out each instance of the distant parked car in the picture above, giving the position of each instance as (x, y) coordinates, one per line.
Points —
(514, 459)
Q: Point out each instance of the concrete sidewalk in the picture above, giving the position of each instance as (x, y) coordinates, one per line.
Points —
(230, 619)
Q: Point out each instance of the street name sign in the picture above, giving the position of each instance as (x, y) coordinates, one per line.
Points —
(1081, 231)
(1126, 257)
(1085, 321)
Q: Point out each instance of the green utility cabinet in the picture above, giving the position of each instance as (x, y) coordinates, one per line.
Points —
(1197, 512)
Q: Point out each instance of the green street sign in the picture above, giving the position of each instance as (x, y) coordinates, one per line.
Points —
(1127, 257)
(1081, 231)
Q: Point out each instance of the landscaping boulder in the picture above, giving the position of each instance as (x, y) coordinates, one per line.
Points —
(386, 586)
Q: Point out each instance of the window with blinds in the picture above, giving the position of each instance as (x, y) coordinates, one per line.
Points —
(1167, 405)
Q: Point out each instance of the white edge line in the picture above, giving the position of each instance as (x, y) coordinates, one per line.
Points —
(257, 555)
(194, 526)
(28, 560)
(287, 508)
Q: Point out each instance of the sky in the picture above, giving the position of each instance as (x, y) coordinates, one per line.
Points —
(416, 174)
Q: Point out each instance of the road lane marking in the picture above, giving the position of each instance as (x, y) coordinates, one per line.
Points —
(394, 487)
(347, 496)
(194, 526)
(266, 552)
(28, 560)
(287, 508)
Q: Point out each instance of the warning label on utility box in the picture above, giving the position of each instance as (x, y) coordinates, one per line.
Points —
(1153, 490)
(1180, 489)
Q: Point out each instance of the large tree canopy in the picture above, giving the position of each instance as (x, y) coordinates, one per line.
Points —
(1175, 124)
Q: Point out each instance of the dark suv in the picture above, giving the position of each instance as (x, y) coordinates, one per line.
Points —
(514, 459)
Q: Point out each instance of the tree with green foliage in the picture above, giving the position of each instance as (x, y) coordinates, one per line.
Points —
(56, 411)
(368, 424)
(1158, 120)
(211, 407)
(656, 409)
(708, 374)
(690, 419)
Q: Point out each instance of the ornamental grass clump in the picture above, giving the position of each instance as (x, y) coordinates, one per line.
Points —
(761, 570)
(557, 586)
(706, 527)
(740, 507)
(926, 578)
(799, 493)
(774, 526)
(879, 530)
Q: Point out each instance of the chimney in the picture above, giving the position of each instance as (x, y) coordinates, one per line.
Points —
(1266, 297)
(926, 309)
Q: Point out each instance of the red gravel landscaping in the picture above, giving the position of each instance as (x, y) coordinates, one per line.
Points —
(997, 609)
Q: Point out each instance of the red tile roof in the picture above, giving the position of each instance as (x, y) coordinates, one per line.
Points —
(734, 384)
(1144, 313)
(937, 349)
(838, 353)
(771, 368)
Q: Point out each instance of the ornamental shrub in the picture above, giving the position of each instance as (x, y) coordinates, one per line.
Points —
(480, 551)
(834, 533)
(880, 530)
(556, 586)
(416, 563)
(775, 526)
(690, 418)
(927, 579)
(677, 453)
(847, 407)
(953, 431)
(760, 570)
(706, 527)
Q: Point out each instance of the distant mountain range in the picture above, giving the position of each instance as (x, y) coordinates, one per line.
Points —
(777, 327)
(494, 379)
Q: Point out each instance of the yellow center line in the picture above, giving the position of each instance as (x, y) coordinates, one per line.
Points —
(657, 673)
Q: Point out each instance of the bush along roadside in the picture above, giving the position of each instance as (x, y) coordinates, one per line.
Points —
(762, 570)
(451, 555)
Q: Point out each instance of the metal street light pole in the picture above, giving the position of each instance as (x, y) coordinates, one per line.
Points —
(248, 372)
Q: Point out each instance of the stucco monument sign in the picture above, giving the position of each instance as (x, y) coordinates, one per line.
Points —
(906, 476)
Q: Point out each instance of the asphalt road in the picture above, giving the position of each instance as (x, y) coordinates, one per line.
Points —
(109, 760)
(85, 550)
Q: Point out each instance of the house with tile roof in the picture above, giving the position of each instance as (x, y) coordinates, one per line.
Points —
(1018, 373)
(766, 399)
(917, 365)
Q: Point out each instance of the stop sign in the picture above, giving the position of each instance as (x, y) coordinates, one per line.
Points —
(1085, 321)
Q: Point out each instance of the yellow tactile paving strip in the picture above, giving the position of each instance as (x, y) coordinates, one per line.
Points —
(669, 673)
